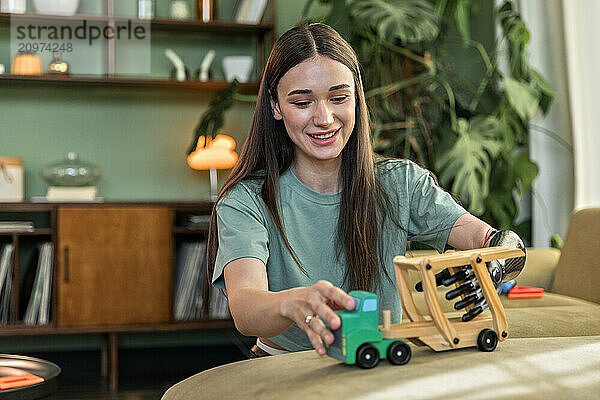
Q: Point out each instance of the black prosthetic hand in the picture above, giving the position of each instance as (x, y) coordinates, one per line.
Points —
(508, 269)
(499, 270)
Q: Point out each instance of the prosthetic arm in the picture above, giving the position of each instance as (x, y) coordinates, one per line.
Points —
(500, 270)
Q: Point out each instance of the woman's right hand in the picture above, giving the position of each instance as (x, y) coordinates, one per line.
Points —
(317, 301)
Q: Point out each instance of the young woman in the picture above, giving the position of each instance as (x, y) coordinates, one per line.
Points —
(310, 212)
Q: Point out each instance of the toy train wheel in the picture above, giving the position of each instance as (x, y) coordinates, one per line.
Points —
(487, 340)
(398, 353)
(367, 356)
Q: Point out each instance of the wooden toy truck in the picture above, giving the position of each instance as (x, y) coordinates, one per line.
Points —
(360, 340)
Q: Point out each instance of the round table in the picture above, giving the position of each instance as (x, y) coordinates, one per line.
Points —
(16, 365)
(549, 368)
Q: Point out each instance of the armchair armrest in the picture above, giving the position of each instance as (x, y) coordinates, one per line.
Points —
(540, 268)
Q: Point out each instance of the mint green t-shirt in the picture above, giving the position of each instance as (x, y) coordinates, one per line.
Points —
(310, 219)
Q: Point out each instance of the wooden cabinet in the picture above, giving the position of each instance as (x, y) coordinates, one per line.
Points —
(114, 265)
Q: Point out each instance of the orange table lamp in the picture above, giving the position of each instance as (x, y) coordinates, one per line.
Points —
(213, 154)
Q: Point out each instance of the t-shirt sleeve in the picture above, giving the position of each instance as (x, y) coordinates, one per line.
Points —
(241, 231)
(433, 211)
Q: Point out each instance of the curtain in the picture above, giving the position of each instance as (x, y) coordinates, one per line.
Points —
(550, 139)
(582, 38)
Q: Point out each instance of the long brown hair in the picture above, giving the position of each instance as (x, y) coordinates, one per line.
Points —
(269, 150)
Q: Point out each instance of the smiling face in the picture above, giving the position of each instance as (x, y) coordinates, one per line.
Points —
(316, 100)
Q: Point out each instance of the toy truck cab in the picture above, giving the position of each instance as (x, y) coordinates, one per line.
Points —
(359, 340)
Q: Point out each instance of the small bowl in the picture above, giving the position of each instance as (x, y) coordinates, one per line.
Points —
(237, 67)
(56, 7)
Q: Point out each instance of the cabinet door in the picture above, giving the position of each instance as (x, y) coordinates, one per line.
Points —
(114, 265)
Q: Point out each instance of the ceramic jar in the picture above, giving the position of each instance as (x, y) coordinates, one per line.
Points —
(11, 179)
(56, 7)
(70, 172)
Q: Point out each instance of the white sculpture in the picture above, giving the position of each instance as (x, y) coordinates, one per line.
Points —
(178, 63)
(205, 65)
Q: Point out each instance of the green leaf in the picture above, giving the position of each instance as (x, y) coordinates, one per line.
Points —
(339, 18)
(411, 21)
(462, 16)
(541, 84)
(525, 171)
(467, 163)
(518, 34)
(502, 207)
(506, 7)
(522, 97)
(556, 241)
(515, 130)
(212, 119)
(523, 229)
(547, 91)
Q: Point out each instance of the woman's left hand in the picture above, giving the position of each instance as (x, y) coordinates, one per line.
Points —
(312, 309)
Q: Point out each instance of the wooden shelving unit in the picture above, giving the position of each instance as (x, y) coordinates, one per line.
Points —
(264, 31)
(58, 214)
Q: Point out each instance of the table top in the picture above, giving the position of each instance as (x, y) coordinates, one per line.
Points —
(549, 368)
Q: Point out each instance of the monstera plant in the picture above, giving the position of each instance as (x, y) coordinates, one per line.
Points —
(470, 128)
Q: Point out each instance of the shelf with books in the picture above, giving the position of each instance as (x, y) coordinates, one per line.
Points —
(194, 297)
(22, 234)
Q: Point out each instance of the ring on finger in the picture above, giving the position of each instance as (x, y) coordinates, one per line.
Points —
(310, 318)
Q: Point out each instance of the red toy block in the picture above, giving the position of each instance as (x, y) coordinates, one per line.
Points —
(525, 292)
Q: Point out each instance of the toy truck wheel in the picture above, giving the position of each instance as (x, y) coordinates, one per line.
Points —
(367, 356)
(487, 340)
(398, 353)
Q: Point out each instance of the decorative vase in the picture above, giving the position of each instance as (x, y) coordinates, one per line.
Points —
(206, 10)
(56, 7)
(70, 172)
